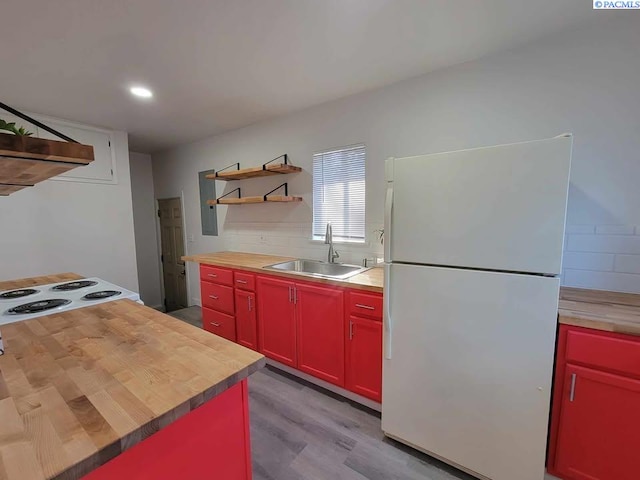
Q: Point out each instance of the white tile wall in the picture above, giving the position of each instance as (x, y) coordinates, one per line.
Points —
(605, 257)
(294, 240)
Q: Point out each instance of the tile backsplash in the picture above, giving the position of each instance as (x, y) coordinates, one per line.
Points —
(604, 257)
(294, 240)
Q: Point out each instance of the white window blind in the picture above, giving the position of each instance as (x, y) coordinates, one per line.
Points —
(339, 193)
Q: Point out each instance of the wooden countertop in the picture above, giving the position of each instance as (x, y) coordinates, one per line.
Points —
(371, 280)
(79, 387)
(608, 311)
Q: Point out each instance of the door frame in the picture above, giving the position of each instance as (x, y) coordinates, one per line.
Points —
(184, 241)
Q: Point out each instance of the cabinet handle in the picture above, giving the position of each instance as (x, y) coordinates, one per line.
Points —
(212, 275)
(295, 295)
(572, 393)
(213, 296)
(366, 307)
(290, 296)
(249, 300)
(215, 324)
(241, 281)
(350, 330)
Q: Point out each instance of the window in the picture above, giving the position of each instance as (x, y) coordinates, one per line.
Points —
(339, 194)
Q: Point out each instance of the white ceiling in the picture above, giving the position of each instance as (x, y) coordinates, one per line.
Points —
(216, 65)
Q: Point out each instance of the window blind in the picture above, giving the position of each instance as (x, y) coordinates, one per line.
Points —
(339, 193)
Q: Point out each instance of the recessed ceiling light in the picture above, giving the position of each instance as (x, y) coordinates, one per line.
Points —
(141, 92)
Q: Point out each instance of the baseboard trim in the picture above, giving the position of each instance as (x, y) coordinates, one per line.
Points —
(354, 397)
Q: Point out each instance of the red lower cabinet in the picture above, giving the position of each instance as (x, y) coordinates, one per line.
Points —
(276, 320)
(219, 323)
(364, 357)
(320, 322)
(599, 432)
(246, 319)
(595, 430)
(210, 442)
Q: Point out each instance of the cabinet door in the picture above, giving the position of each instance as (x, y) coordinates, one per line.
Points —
(364, 357)
(276, 320)
(102, 169)
(320, 318)
(599, 430)
(246, 328)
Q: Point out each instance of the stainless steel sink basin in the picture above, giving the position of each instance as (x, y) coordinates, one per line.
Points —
(314, 268)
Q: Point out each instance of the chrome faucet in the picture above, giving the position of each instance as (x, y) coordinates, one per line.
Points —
(328, 240)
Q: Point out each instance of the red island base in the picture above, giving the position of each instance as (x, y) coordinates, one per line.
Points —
(211, 442)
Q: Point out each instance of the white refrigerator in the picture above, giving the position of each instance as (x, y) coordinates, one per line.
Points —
(473, 251)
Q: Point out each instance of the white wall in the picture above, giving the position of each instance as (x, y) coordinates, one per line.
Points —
(62, 226)
(582, 81)
(144, 222)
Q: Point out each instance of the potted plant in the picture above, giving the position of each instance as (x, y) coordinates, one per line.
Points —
(11, 127)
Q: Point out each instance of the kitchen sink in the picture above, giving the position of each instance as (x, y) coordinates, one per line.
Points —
(338, 271)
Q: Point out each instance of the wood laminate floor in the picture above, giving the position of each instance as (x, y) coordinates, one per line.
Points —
(302, 432)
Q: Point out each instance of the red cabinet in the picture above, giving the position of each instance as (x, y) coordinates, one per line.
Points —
(276, 320)
(219, 323)
(364, 357)
(217, 297)
(595, 428)
(212, 441)
(320, 322)
(218, 307)
(246, 319)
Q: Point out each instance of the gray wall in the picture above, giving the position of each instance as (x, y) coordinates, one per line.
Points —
(144, 221)
(583, 81)
(62, 226)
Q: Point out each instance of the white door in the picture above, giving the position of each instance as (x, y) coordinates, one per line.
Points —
(500, 208)
(470, 372)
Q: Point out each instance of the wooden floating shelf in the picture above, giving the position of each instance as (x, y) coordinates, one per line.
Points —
(264, 171)
(25, 161)
(258, 199)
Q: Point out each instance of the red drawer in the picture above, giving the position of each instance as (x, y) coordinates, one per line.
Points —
(209, 273)
(245, 281)
(219, 323)
(615, 353)
(217, 297)
(365, 305)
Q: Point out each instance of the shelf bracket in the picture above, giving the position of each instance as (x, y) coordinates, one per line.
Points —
(286, 191)
(35, 122)
(286, 161)
(237, 165)
(229, 193)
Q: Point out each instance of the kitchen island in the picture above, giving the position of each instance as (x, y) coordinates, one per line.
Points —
(119, 390)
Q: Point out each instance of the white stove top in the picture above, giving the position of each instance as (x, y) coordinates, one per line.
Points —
(61, 296)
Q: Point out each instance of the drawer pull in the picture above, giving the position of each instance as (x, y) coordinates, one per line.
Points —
(215, 324)
(213, 296)
(366, 307)
(572, 393)
(212, 275)
(241, 281)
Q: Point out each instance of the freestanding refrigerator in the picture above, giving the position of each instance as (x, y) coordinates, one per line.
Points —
(473, 251)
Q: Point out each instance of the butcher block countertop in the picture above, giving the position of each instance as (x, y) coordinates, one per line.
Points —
(78, 388)
(371, 279)
(608, 311)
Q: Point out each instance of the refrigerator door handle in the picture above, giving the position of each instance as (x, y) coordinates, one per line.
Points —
(388, 327)
(388, 206)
